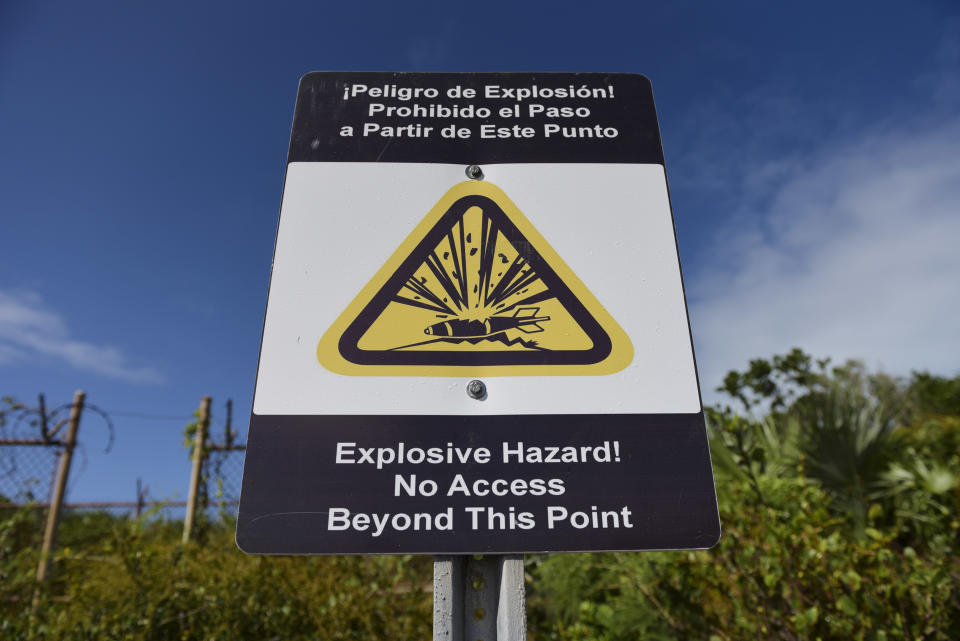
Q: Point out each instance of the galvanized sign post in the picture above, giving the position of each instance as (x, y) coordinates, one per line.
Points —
(476, 339)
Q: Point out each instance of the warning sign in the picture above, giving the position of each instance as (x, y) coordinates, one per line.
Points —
(464, 361)
(475, 290)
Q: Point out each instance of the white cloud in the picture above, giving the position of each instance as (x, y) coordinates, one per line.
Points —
(10, 354)
(29, 329)
(854, 252)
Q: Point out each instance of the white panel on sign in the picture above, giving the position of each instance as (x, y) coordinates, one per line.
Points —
(610, 223)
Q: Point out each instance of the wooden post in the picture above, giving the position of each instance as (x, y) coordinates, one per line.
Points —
(141, 493)
(60, 486)
(42, 407)
(479, 598)
(228, 433)
(199, 443)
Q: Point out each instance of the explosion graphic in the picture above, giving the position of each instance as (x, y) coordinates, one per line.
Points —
(475, 291)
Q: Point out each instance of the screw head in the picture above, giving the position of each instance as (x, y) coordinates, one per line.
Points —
(474, 172)
(477, 390)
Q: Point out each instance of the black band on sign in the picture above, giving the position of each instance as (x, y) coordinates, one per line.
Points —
(617, 102)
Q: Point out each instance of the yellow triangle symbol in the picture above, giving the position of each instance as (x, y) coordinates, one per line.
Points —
(475, 290)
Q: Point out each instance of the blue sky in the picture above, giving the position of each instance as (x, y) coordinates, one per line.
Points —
(812, 157)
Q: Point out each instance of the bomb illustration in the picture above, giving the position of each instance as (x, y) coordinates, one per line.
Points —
(524, 319)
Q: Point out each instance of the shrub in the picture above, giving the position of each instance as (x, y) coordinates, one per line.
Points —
(139, 582)
(787, 569)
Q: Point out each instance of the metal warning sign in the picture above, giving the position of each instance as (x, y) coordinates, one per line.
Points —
(475, 290)
(476, 338)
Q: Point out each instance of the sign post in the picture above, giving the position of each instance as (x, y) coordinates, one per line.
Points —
(479, 598)
(476, 338)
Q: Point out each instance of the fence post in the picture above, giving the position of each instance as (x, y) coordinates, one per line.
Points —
(199, 443)
(479, 598)
(141, 494)
(228, 433)
(60, 488)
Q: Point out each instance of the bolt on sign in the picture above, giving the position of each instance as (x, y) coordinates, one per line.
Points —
(476, 338)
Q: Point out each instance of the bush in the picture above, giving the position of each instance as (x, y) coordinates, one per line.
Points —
(139, 582)
(787, 569)
(840, 510)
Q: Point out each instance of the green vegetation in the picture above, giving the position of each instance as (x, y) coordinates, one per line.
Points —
(839, 499)
(839, 493)
(120, 578)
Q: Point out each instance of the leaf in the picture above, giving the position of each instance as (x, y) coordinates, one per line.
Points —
(846, 605)
(852, 579)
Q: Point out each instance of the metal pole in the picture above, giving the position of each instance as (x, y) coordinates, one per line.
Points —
(479, 598)
(198, 454)
(60, 487)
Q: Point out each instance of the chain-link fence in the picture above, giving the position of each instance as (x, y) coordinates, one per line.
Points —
(223, 471)
(217, 468)
(28, 456)
(36, 428)
(37, 448)
(27, 471)
(26, 479)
